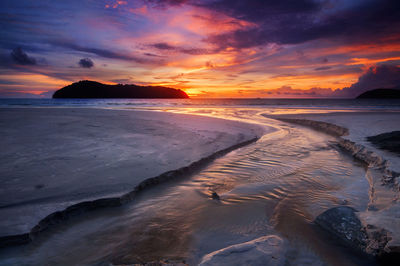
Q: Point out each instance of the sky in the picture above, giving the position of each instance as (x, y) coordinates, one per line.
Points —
(209, 48)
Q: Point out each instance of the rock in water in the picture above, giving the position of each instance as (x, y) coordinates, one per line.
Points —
(215, 196)
(266, 250)
(344, 224)
(388, 141)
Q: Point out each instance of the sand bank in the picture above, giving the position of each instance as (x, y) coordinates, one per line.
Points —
(52, 158)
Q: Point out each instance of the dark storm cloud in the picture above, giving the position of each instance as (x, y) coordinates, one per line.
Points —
(86, 63)
(294, 22)
(21, 58)
(383, 76)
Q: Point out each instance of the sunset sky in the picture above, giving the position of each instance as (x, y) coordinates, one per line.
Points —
(211, 48)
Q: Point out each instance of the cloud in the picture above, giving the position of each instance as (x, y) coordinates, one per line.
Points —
(99, 52)
(153, 55)
(86, 63)
(295, 22)
(163, 46)
(322, 68)
(21, 58)
(191, 51)
(289, 92)
(383, 76)
(122, 81)
(11, 93)
(166, 3)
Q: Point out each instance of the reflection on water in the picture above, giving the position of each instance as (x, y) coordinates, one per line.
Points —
(277, 185)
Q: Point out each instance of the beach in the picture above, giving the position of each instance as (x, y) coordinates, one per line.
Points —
(275, 174)
(53, 158)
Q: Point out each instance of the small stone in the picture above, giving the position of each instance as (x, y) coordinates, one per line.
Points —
(215, 196)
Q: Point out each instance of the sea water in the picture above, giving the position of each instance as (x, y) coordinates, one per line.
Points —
(346, 104)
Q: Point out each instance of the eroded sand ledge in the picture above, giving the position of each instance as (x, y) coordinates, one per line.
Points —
(381, 221)
(59, 162)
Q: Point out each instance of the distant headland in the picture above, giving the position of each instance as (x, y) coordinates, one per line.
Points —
(380, 94)
(93, 89)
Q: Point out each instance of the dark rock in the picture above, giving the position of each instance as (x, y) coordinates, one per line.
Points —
(215, 196)
(92, 89)
(388, 141)
(380, 94)
(344, 224)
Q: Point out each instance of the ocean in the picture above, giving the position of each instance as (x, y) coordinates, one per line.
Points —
(346, 104)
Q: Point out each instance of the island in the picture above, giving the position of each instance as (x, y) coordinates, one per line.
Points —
(381, 94)
(93, 89)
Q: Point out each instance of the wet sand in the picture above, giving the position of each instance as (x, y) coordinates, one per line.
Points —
(52, 158)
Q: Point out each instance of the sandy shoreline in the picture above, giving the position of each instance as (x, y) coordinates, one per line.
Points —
(55, 157)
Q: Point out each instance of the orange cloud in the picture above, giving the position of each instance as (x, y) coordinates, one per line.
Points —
(368, 62)
(204, 22)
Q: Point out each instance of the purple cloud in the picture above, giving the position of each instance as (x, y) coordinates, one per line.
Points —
(383, 76)
(21, 58)
(294, 22)
(86, 63)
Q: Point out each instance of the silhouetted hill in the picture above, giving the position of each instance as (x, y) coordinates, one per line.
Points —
(93, 89)
(380, 94)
